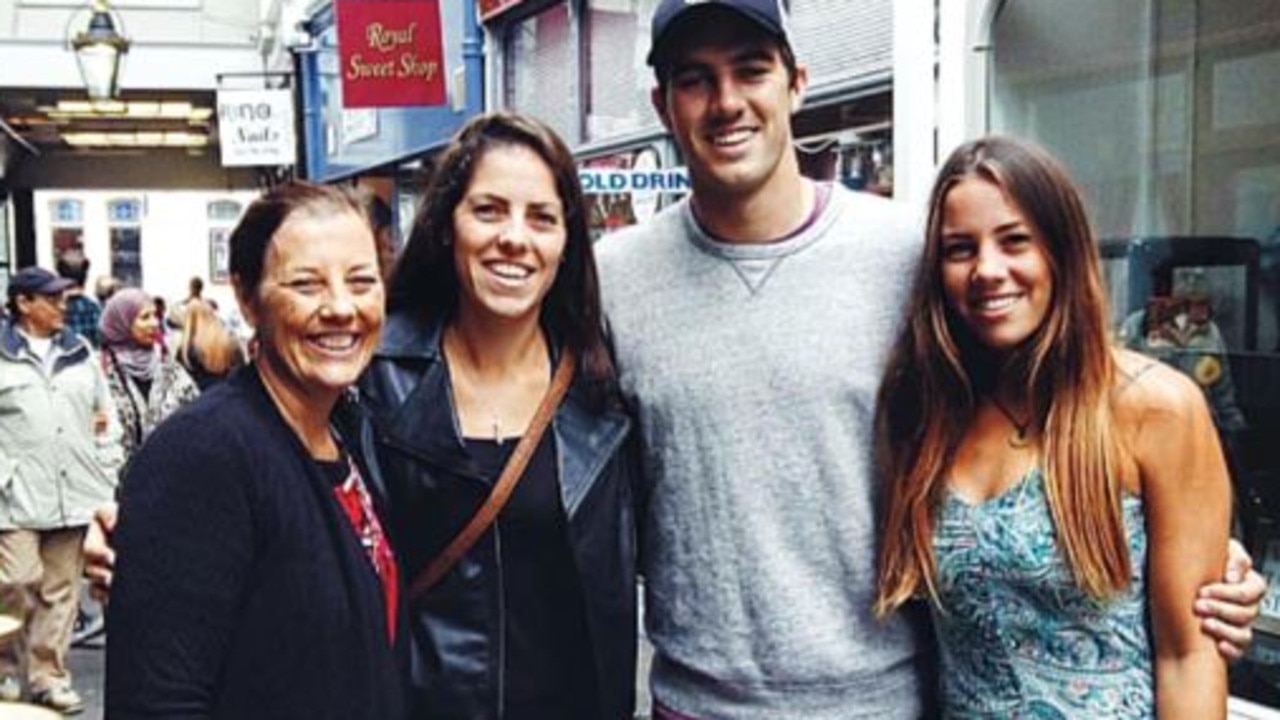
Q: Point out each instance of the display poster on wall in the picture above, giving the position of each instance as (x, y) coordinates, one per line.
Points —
(390, 53)
(255, 127)
(628, 187)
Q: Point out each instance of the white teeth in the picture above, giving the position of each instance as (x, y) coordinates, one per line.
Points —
(996, 303)
(510, 271)
(731, 137)
(336, 342)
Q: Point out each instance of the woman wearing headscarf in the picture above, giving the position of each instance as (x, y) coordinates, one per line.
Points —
(146, 387)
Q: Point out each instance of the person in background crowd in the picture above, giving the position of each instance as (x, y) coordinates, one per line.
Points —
(175, 316)
(751, 322)
(104, 287)
(195, 296)
(1046, 492)
(195, 291)
(161, 325)
(82, 311)
(146, 386)
(497, 283)
(58, 457)
(385, 231)
(207, 349)
(254, 577)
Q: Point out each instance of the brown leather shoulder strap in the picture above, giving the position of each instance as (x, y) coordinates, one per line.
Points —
(511, 473)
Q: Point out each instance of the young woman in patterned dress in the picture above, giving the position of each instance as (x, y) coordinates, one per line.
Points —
(1048, 493)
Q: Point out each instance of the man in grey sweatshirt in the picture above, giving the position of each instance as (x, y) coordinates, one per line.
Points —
(751, 324)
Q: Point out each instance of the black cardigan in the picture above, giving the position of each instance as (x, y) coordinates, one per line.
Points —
(241, 591)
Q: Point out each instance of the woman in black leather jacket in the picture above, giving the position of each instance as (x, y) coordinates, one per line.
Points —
(537, 620)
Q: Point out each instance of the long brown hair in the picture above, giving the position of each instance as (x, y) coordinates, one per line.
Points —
(425, 278)
(938, 373)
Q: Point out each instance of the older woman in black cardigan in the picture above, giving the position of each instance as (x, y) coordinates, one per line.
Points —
(253, 578)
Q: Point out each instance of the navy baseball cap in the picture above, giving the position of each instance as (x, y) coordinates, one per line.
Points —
(768, 14)
(36, 281)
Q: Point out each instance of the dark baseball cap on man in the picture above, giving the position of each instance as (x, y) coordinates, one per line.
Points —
(36, 281)
(768, 14)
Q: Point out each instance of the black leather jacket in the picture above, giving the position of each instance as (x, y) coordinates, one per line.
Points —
(434, 489)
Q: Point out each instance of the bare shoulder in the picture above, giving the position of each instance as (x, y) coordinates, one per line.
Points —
(1147, 389)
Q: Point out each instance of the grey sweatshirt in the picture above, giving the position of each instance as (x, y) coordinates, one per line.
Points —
(753, 371)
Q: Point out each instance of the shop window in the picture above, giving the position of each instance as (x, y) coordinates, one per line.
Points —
(541, 66)
(125, 234)
(4, 246)
(224, 212)
(1165, 112)
(66, 212)
(223, 215)
(618, 80)
(630, 187)
(66, 218)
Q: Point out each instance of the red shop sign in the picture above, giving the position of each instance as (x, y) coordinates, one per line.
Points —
(390, 53)
(491, 8)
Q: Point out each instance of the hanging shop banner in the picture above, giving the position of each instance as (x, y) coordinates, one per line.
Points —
(255, 127)
(492, 8)
(390, 53)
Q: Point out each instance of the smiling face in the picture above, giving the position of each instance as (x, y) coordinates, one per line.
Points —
(509, 236)
(145, 325)
(995, 271)
(319, 308)
(728, 101)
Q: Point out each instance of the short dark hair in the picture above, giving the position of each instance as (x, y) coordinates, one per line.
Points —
(425, 278)
(253, 234)
(74, 267)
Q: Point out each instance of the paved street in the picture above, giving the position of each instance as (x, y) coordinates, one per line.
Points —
(87, 666)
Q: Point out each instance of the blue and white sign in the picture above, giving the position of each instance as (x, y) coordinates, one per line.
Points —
(636, 180)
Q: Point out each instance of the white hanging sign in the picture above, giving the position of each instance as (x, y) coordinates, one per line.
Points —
(255, 127)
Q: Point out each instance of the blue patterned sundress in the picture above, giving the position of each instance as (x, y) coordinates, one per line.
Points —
(1017, 637)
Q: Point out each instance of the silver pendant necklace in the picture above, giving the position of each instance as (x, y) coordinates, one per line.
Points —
(497, 428)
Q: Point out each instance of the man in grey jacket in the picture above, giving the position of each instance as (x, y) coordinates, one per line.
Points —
(57, 464)
(751, 323)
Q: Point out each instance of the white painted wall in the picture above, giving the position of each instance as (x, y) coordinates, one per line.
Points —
(175, 236)
(914, 99)
(964, 28)
(939, 87)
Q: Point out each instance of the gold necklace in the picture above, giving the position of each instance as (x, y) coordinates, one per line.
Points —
(1018, 439)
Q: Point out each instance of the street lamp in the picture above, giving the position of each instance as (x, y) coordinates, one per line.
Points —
(99, 50)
